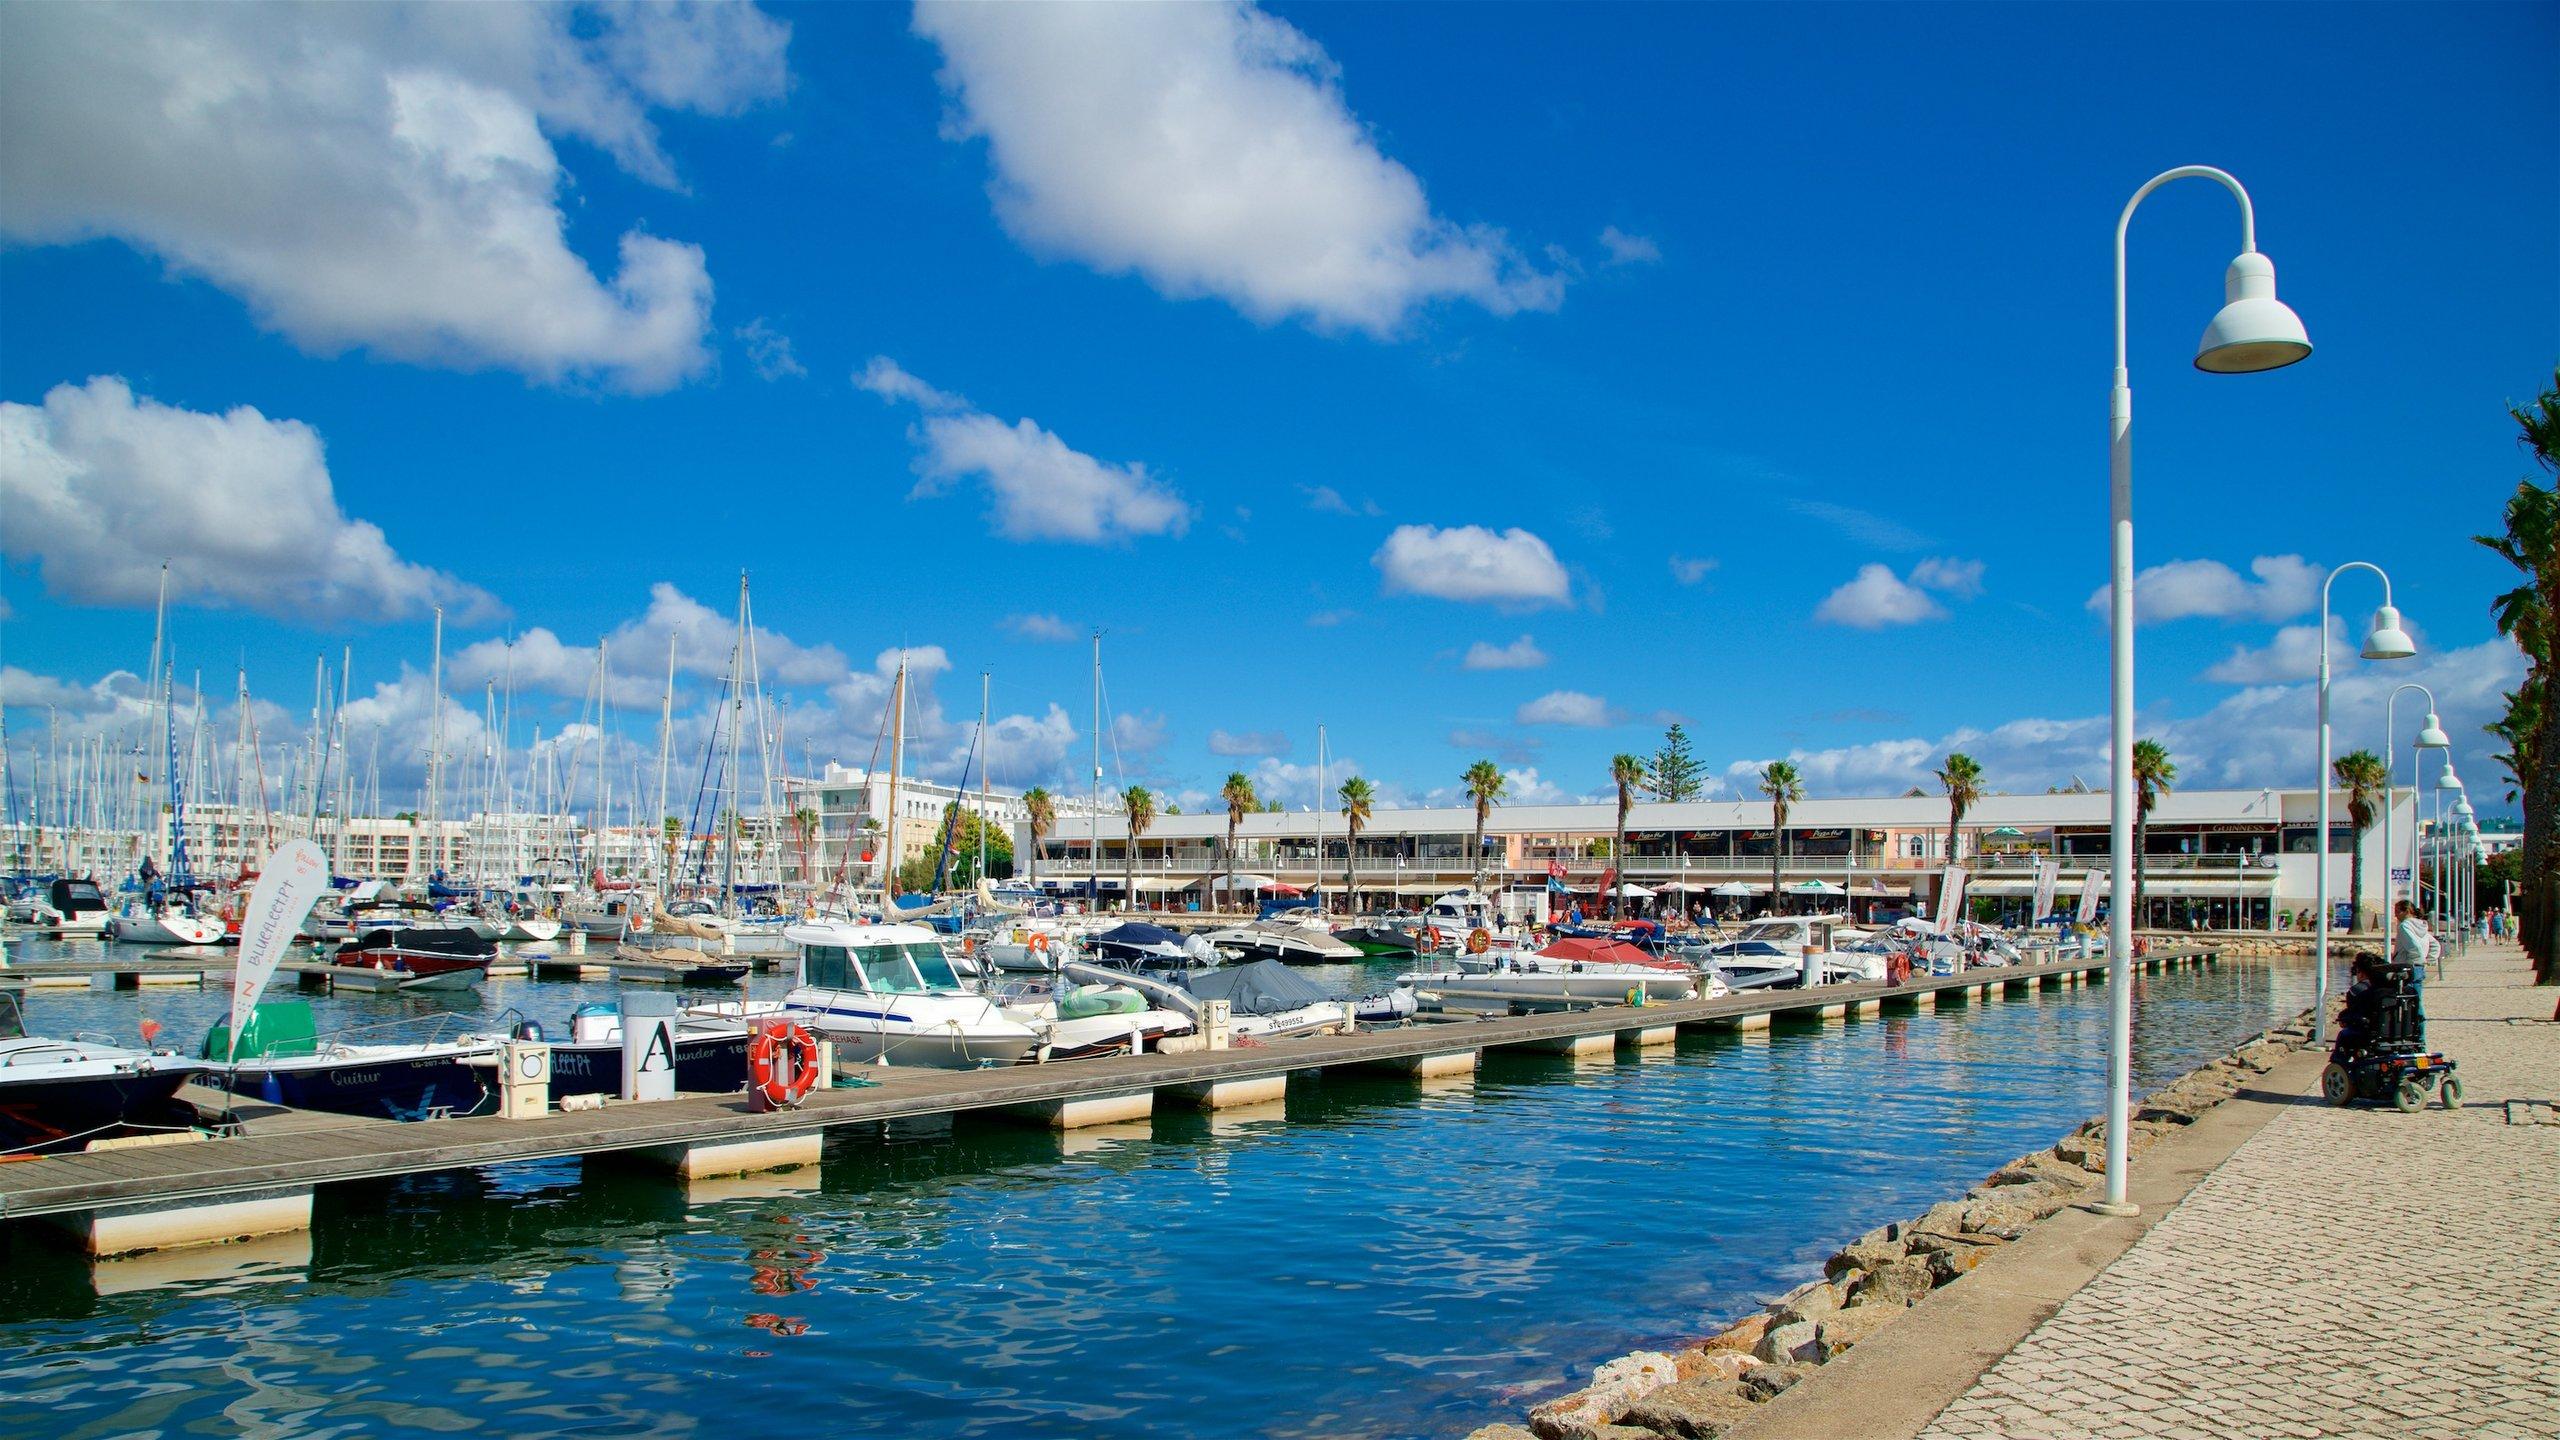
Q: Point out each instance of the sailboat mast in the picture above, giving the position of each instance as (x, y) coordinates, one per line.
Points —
(729, 765)
(1093, 820)
(897, 762)
(435, 738)
(666, 739)
(986, 691)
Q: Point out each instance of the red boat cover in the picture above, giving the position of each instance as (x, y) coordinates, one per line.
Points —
(1613, 951)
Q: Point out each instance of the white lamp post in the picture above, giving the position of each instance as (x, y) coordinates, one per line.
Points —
(2253, 331)
(2431, 736)
(2385, 641)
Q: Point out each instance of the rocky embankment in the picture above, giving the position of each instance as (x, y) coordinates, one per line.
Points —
(1707, 1388)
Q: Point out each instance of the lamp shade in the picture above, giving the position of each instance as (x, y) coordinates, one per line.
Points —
(2387, 641)
(2254, 331)
(2448, 780)
(2431, 735)
(2462, 811)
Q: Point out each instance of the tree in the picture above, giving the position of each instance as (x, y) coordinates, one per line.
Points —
(1140, 806)
(805, 821)
(1963, 781)
(963, 828)
(2367, 785)
(2528, 615)
(1238, 793)
(1626, 772)
(2153, 776)
(1674, 773)
(1040, 812)
(1357, 801)
(1484, 786)
(1784, 787)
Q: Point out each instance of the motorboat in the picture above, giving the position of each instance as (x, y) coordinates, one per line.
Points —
(1772, 952)
(1036, 945)
(1142, 946)
(168, 923)
(886, 994)
(711, 1053)
(1290, 941)
(283, 1060)
(1382, 937)
(66, 907)
(1267, 1000)
(432, 957)
(1581, 971)
(635, 963)
(58, 1095)
(605, 916)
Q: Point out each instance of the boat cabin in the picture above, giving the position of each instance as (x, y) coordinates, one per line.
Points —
(880, 959)
(72, 899)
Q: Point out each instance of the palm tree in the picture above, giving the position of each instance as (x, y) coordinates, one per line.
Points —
(1357, 801)
(1141, 807)
(1484, 785)
(2365, 781)
(1784, 787)
(1241, 801)
(2530, 615)
(1040, 809)
(1963, 779)
(805, 821)
(1626, 772)
(2153, 777)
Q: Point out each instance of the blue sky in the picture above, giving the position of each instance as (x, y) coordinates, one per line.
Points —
(1739, 364)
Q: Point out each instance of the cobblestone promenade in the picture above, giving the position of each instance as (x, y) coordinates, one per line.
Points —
(2353, 1272)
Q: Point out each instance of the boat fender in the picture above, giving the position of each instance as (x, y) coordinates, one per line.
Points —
(1635, 995)
(782, 1066)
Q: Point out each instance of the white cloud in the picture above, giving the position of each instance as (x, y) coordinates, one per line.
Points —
(382, 176)
(1140, 733)
(1626, 249)
(1875, 599)
(102, 486)
(1960, 578)
(1567, 707)
(769, 350)
(1048, 629)
(2294, 654)
(1520, 654)
(2286, 586)
(1690, 571)
(1039, 489)
(1471, 562)
(1863, 527)
(1330, 501)
(1248, 742)
(1208, 148)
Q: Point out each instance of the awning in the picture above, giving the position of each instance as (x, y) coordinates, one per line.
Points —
(1737, 887)
(1426, 887)
(1242, 881)
(1684, 887)
(1815, 887)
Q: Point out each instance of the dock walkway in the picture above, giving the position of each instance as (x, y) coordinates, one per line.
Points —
(175, 1194)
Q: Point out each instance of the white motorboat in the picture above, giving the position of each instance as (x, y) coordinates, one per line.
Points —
(1141, 946)
(1267, 1000)
(1539, 979)
(59, 1094)
(1291, 942)
(167, 925)
(65, 907)
(1772, 952)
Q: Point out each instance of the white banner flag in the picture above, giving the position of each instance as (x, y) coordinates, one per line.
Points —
(289, 884)
(2048, 876)
(2092, 885)
(1950, 899)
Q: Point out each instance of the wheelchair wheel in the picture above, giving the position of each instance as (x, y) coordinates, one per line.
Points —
(2407, 1097)
(2336, 1085)
(2450, 1092)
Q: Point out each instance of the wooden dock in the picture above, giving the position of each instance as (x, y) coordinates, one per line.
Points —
(259, 1180)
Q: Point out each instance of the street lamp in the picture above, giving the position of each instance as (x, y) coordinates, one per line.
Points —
(2385, 641)
(2253, 331)
(2431, 736)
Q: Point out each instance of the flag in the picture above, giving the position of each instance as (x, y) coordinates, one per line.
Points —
(1555, 877)
(289, 883)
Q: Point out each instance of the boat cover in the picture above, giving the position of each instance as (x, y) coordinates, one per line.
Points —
(1261, 987)
(1138, 933)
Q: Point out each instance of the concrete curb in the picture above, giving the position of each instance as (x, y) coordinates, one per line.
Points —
(1891, 1386)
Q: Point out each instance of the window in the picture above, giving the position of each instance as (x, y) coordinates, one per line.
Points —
(884, 969)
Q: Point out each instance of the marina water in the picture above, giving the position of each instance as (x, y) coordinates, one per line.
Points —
(1376, 1258)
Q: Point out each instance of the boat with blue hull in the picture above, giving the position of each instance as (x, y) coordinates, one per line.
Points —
(711, 1055)
(58, 1095)
(281, 1060)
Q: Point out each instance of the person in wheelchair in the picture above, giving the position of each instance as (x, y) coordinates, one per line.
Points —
(2360, 1022)
(2381, 1048)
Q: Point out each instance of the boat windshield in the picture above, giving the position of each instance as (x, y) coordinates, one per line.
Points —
(883, 969)
(1772, 931)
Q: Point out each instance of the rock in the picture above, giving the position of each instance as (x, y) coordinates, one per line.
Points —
(2045, 1166)
(1788, 1342)
(1946, 1218)
(1613, 1387)
(1839, 1332)
(2042, 1198)
(1946, 1265)
(1501, 1432)
(1713, 1364)
(1743, 1335)
(1998, 1219)
(1692, 1409)
(1766, 1381)
(1904, 1282)
(1806, 1302)
(2079, 1149)
(1935, 1244)
(1861, 1258)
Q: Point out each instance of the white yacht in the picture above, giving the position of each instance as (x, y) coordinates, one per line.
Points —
(1772, 952)
(169, 924)
(1531, 979)
(1285, 938)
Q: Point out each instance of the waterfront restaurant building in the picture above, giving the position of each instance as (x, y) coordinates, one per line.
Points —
(2216, 859)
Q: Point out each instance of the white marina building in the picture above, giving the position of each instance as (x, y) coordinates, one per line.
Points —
(2213, 859)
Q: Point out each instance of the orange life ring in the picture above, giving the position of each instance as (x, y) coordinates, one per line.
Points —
(782, 1065)
(1479, 940)
(1431, 936)
(1039, 942)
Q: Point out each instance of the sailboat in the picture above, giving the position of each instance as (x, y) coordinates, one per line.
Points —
(158, 913)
